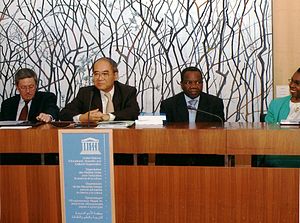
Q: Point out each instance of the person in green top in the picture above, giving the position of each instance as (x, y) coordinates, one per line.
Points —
(286, 107)
(279, 109)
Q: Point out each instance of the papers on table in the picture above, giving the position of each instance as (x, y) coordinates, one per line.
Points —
(10, 123)
(150, 119)
(115, 124)
(290, 122)
(149, 122)
(15, 127)
(18, 124)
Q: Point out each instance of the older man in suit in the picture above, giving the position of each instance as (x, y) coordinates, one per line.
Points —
(30, 104)
(106, 100)
(192, 105)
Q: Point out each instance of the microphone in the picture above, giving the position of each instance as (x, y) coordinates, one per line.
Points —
(90, 105)
(205, 112)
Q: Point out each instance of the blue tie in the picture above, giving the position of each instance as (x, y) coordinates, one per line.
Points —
(192, 103)
(192, 114)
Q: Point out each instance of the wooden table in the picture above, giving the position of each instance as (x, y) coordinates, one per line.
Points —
(30, 193)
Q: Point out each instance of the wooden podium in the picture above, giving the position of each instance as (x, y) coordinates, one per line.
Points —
(31, 193)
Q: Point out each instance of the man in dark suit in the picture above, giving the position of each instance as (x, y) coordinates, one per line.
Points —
(182, 107)
(92, 103)
(107, 100)
(30, 105)
(192, 105)
(40, 106)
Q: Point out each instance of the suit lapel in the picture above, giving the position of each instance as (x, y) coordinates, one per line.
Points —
(14, 108)
(117, 98)
(182, 110)
(203, 103)
(34, 107)
(97, 102)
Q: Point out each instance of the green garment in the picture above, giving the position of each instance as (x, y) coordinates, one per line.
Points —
(279, 109)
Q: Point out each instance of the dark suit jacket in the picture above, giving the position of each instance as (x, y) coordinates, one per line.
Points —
(124, 100)
(42, 102)
(176, 110)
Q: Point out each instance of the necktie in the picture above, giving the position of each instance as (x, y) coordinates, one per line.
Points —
(24, 112)
(109, 105)
(192, 113)
(192, 103)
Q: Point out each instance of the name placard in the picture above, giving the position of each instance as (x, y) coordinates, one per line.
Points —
(86, 175)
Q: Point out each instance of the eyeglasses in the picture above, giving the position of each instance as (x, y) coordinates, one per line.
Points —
(296, 82)
(99, 75)
(189, 83)
(25, 88)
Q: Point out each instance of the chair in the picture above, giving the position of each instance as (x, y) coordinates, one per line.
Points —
(262, 117)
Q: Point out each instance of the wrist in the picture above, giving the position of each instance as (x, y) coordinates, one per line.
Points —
(105, 117)
(82, 118)
(51, 118)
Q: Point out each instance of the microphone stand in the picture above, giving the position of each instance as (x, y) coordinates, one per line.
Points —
(205, 112)
(90, 105)
(227, 158)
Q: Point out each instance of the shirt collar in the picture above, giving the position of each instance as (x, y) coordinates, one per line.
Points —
(112, 91)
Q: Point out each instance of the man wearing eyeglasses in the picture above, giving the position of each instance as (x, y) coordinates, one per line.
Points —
(193, 105)
(286, 107)
(106, 100)
(29, 104)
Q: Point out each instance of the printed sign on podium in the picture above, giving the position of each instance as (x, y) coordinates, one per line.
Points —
(86, 176)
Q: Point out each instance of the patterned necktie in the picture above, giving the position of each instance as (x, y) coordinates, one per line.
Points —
(192, 103)
(24, 112)
(192, 113)
(109, 105)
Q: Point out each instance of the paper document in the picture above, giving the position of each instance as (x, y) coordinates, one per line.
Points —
(115, 124)
(149, 122)
(15, 127)
(19, 123)
(290, 122)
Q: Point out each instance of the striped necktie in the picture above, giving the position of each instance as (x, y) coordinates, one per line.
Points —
(192, 103)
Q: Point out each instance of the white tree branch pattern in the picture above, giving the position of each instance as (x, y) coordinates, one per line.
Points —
(152, 40)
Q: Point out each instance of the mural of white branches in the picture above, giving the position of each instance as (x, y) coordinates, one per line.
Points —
(152, 41)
